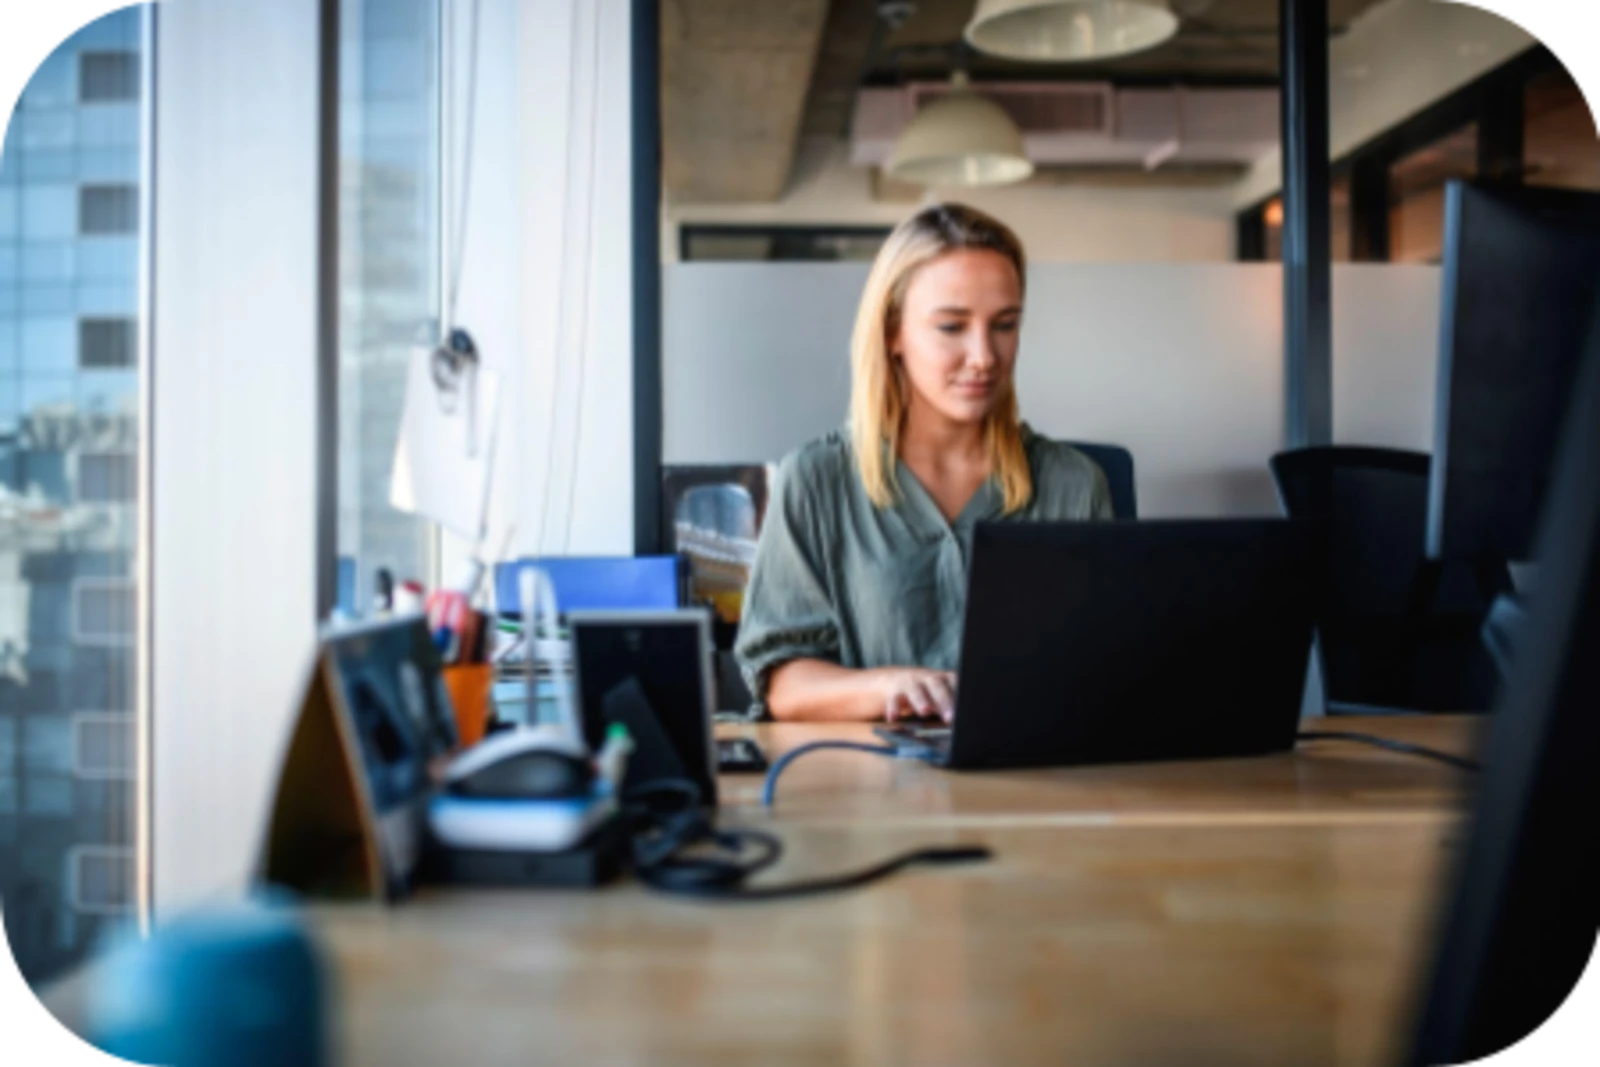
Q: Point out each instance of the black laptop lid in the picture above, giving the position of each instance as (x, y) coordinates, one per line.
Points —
(1118, 641)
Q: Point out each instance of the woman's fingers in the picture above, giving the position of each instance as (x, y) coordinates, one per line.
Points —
(942, 688)
(922, 694)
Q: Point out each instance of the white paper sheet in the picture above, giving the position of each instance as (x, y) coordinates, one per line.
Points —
(443, 457)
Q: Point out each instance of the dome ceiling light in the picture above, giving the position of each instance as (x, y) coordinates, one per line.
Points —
(1069, 31)
(960, 139)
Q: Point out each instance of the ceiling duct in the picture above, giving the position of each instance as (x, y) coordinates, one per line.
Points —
(1093, 124)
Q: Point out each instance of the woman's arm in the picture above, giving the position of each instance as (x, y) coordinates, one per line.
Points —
(814, 690)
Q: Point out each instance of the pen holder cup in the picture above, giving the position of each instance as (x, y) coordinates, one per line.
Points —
(469, 684)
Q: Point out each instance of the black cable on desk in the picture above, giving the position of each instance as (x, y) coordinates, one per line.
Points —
(1403, 747)
(678, 850)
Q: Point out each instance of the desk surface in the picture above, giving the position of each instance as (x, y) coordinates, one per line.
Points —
(1323, 782)
(1264, 911)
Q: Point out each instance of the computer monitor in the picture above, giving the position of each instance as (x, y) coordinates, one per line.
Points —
(1520, 272)
(1522, 909)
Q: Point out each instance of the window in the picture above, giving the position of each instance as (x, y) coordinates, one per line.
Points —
(106, 478)
(1268, 227)
(1560, 145)
(780, 243)
(108, 76)
(105, 344)
(1416, 195)
(103, 611)
(389, 236)
(107, 209)
(100, 880)
(69, 418)
(103, 746)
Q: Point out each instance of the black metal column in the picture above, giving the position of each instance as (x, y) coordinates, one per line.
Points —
(1500, 136)
(646, 223)
(1307, 287)
(1369, 210)
(1250, 236)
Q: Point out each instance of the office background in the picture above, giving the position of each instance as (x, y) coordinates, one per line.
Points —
(272, 402)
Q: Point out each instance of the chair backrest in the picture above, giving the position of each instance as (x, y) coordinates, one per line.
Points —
(1117, 463)
(1395, 630)
(590, 583)
(1375, 502)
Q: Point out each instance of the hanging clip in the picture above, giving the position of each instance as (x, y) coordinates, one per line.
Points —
(454, 365)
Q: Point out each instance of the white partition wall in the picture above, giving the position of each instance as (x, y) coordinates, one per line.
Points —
(1385, 354)
(1180, 363)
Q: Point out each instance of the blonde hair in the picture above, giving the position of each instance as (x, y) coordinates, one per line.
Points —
(878, 400)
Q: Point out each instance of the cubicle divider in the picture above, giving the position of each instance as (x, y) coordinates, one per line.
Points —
(1180, 363)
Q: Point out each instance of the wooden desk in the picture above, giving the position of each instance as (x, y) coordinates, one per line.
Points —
(1325, 782)
(1237, 912)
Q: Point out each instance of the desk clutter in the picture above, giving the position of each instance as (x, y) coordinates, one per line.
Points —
(378, 794)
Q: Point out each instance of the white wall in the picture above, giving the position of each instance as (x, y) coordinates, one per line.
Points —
(1395, 60)
(233, 609)
(1061, 223)
(1181, 363)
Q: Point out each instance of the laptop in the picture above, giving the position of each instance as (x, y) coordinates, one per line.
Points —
(1113, 642)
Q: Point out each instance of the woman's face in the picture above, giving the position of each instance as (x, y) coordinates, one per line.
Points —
(957, 341)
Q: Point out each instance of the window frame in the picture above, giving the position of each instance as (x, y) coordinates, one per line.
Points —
(1485, 102)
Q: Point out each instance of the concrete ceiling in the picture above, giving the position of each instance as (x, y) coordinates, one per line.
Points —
(1227, 40)
(734, 80)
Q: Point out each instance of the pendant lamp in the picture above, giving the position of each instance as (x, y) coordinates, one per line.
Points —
(1069, 31)
(962, 138)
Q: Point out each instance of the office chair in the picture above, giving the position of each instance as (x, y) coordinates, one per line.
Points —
(1117, 463)
(1396, 632)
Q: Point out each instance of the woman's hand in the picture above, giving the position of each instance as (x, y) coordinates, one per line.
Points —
(918, 693)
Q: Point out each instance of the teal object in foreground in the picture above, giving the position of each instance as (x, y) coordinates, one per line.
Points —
(243, 987)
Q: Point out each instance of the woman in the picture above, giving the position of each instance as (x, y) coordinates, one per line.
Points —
(854, 607)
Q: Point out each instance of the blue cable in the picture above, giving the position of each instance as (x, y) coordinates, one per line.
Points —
(790, 756)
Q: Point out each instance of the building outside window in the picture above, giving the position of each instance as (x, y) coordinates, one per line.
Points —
(69, 411)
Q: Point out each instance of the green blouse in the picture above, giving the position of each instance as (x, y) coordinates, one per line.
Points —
(839, 579)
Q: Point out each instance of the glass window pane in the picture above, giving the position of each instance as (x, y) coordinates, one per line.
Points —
(51, 85)
(106, 76)
(67, 436)
(102, 125)
(38, 130)
(106, 478)
(49, 212)
(1559, 144)
(108, 258)
(389, 226)
(1416, 195)
(108, 165)
(107, 343)
(48, 345)
(48, 164)
(108, 209)
(55, 261)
